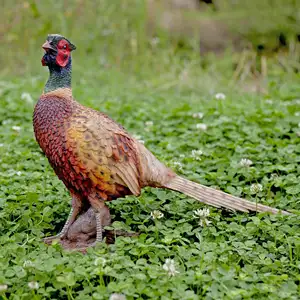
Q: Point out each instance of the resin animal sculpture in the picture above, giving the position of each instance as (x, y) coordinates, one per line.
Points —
(96, 158)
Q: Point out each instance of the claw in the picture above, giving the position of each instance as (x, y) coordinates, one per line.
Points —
(48, 240)
(71, 218)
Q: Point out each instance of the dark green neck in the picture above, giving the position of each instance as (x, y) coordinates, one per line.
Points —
(60, 77)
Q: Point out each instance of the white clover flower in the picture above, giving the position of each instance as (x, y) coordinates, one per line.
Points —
(27, 97)
(256, 188)
(198, 115)
(196, 154)
(202, 215)
(28, 264)
(100, 261)
(139, 138)
(156, 214)
(1, 145)
(3, 287)
(116, 296)
(220, 96)
(297, 114)
(169, 266)
(178, 165)
(269, 101)
(19, 173)
(33, 285)
(274, 176)
(201, 126)
(16, 128)
(245, 162)
(149, 123)
(204, 222)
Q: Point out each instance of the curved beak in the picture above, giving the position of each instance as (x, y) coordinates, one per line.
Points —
(46, 46)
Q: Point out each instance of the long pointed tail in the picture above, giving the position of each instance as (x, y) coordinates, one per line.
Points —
(217, 198)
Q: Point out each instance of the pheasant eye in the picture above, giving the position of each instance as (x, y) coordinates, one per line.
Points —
(65, 47)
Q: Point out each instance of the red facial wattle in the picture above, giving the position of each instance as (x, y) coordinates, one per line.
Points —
(56, 54)
(63, 54)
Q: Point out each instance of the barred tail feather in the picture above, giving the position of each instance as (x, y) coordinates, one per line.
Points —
(217, 198)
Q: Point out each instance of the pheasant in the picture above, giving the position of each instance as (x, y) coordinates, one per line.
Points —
(95, 157)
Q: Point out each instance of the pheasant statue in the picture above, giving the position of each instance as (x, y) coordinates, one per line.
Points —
(95, 157)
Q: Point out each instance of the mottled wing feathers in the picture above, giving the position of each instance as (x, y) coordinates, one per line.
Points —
(103, 151)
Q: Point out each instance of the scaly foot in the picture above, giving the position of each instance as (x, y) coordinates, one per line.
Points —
(48, 240)
(76, 207)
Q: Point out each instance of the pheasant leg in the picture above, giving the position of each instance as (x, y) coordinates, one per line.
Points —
(75, 210)
(99, 227)
(102, 214)
(83, 231)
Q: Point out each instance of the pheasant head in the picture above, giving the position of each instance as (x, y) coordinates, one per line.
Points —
(57, 51)
(57, 58)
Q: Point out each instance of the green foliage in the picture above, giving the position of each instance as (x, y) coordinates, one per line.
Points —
(238, 256)
(102, 30)
(117, 32)
(262, 22)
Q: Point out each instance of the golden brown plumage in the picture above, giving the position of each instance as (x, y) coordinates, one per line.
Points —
(97, 159)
